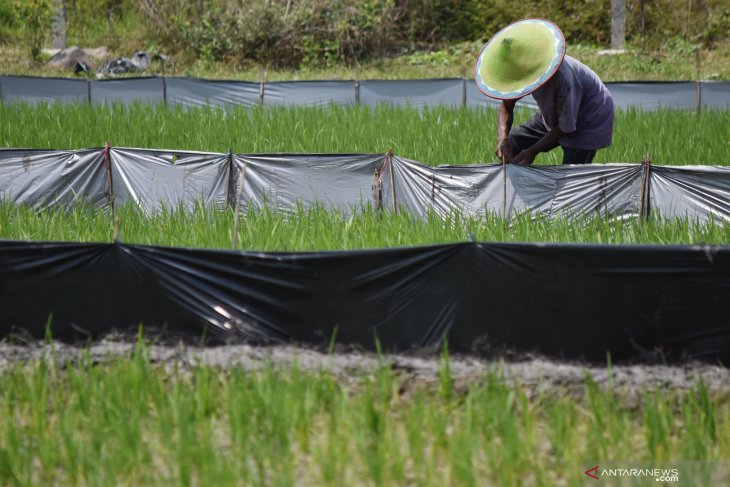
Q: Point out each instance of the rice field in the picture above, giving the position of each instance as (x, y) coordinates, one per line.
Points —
(134, 421)
(433, 136)
(129, 421)
(317, 228)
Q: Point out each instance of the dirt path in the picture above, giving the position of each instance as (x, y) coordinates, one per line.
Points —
(536, 375)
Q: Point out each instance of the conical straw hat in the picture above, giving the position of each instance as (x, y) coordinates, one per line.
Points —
(519, 59)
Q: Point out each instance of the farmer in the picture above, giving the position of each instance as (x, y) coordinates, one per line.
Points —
(576, 110)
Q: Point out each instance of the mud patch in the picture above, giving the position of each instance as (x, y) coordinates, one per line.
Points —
(537, 376)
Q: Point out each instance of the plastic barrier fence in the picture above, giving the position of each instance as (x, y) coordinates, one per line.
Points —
(635, 303)
(348, 182)
(452, 92)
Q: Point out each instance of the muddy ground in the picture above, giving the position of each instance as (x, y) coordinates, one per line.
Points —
(537, 375)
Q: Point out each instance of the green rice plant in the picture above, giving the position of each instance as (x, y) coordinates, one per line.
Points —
(561, 418)
(129, 421)
(699, 422)
(609, 426)
(659, 423)
(438, 135)
(317, 228)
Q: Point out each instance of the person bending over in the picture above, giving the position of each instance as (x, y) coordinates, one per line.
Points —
(575, 108)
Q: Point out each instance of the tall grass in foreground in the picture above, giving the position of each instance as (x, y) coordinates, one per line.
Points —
(433, 136)
(130, 422)
(317, 228)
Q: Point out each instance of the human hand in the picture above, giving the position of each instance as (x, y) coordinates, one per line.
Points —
(525, 157)
(504, 150)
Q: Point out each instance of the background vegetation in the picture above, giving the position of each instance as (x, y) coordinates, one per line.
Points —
(323, 34)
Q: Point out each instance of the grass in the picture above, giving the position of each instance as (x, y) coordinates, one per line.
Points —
(675, 60)
(433, 136)
(128, 421)
(317, 229)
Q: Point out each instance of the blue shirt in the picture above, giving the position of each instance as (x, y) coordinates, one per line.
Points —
(576, 100)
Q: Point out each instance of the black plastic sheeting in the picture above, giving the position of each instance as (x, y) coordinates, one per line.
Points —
(453, 92)
(151, 179)
(569, 301)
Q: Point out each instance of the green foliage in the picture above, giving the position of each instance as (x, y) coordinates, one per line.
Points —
(273, 33)
(696, 21)
(313, 34)
(36, 24)
(432, 136)
(310, 33)
(110, 23)
(717, 28)
(130, 421)
(317, 228)
(7, 20)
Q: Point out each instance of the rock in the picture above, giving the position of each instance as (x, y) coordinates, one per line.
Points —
(68, 58)
(101, 53)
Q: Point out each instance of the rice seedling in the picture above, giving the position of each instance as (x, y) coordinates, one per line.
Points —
(317, 228)
(433, 136)
(129, 421)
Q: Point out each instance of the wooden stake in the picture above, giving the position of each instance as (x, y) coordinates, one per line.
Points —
(164, 83)
(110, 189)
(110, 184)
(377, 190)
(699, 79)
(463, 87)
(433, 188)
(389, 159)
(262, 74)
(229, 180)
(234, 237)
(644, 202)
(116, 229)
(504, 188)
(357, 88)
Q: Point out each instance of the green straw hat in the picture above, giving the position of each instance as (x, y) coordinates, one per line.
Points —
(519, 59)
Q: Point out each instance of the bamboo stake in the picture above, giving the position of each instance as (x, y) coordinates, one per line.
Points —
(699, 79)
(644, 205)
(88, 88)
(377, 190)
(262, 74)
(389, 159)
(433, 188)
(463, 87)
(234, 237)
(357, 88)
(107, 166)
(110, 184)
(504, 188)
(230, 178)
(164, 84)
(116, 229)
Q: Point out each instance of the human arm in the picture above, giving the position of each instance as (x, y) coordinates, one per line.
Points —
(549, 141)
(504, 125)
